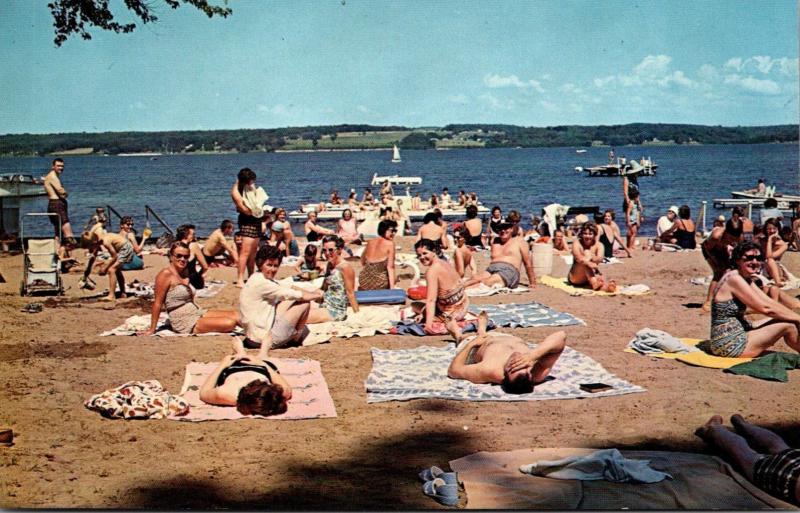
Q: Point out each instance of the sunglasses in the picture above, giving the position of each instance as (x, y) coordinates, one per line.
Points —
(329, 250)
(181, 256)
(751, 257)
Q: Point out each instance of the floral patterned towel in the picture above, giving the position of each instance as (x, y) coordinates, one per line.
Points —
(138, 400)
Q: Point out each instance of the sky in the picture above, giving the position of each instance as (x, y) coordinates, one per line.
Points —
(413, 63)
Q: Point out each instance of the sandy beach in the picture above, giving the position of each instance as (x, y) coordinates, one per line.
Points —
(368, 457)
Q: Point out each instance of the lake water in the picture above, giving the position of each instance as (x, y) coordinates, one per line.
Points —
(195, 188)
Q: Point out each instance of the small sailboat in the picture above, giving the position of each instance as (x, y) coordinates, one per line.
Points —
(396, 155)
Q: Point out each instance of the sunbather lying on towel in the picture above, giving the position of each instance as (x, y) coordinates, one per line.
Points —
(252, 384)
(506, 360)
(759, 454)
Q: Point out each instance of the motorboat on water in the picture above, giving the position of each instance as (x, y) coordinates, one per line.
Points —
(334, 212)
(21, 186)
(786, 202)
(395, 154)
(768, 193)
(396, 180)
(643, 167)
(580, 151)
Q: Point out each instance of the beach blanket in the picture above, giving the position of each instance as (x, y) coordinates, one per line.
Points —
(561, 283)
(314, 284)
(367, 322)
(526, 315)
(211, 289)
(147, 291)
(482, 290)
(419, 373)
(700, 482)
(138, 400)
(511, 315)
(696, 358)
(311, 398)
(568, 259)
(138, 323)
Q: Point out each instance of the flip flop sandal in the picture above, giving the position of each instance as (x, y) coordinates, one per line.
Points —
(429, 474)
(441, 492)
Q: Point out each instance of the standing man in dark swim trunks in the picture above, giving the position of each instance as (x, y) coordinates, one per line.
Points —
(57, 203)
(508, 255)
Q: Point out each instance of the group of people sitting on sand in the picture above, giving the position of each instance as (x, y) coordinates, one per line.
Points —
(276, 314)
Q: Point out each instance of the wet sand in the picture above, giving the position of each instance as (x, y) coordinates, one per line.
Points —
(66, 456)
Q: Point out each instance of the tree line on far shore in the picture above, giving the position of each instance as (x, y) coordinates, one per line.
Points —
(369, 137)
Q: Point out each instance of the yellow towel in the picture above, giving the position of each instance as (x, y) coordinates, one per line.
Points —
(561, 283)
(699, 358)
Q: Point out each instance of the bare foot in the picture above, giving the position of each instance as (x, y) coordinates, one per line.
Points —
(240, 284)
(453, 330)
(611, 287)
(705, 430)
(483, 323)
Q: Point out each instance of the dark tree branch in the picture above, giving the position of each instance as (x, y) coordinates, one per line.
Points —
(77, 16)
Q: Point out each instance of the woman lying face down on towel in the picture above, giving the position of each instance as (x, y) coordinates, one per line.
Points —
(252, 384)
(731, 334)
(587, 253)
(174, 292)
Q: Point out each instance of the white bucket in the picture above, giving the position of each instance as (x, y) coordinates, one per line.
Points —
(542, 256)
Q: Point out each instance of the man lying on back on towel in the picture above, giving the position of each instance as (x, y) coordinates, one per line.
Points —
(506, 360)
(509, 253)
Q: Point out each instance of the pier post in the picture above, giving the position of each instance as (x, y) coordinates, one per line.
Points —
(750, 209)
(704, 207)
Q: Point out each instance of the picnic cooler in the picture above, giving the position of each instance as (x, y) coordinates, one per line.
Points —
(542, 256)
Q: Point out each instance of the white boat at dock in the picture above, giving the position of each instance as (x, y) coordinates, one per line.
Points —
(21, 186)
(644, 167)
(786, 202)
(396, 180)
(334, 212)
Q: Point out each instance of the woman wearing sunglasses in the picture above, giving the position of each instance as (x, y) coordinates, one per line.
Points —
(731, 334)
(339, 284)
(176, 295)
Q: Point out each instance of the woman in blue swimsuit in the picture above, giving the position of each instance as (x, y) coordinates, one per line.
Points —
(731, 334)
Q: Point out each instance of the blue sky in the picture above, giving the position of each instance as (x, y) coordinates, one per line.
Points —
(413, 63)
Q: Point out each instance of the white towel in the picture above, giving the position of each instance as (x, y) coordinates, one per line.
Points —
(254, 200)
(608, 464)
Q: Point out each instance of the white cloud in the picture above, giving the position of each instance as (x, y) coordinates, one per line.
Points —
(495, 81)
(653, 65)
(788, 67)
(734, 63)
(363, 109)
(137, 105)
(604, 81)
(461, 99)
(279, 109)
(569, 87)
(756, 85)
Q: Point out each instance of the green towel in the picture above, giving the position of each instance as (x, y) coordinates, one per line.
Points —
(772, 366)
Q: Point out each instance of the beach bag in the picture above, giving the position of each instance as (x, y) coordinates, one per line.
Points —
(418, 293)
(165, 241)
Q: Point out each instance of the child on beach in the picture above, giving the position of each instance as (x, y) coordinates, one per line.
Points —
(633, 218)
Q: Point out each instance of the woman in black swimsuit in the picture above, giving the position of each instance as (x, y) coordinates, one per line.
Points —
(609, 232)
(253, 385)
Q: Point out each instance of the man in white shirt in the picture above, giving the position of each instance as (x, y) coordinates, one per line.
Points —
(771, 211)
(666, 223)
(273, 315)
